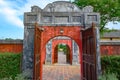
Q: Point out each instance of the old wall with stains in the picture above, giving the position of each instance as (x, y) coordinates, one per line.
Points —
(110, 48)
(11, 46)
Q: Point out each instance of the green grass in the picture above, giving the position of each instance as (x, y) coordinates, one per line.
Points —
(9, 65)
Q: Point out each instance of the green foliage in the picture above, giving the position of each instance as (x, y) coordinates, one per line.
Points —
(64, 47)
(108, 9)
(22, 76)
(109, 76)
(111, 64)
(9, 65)
(9, 39)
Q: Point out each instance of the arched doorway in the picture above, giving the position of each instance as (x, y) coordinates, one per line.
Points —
(52, 43)
(88, 58)
(61, 18)
(62, 54)
(47, 33)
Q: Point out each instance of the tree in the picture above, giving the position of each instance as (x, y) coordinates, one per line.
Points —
(108, 9)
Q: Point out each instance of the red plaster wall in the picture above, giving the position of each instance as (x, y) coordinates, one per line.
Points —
(55, 42)
(110, 49)
(51, 32)
(18, 48)
(12, 48)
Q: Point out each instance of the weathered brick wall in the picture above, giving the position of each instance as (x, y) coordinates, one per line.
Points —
(12, 46)
(110, 48)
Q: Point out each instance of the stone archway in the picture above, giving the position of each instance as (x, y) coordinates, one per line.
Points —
(51, 32)
(67, 42)
(61, 18)
(60, 57)
(89, 40)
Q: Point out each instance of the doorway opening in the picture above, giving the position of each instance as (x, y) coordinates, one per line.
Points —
(62, 46)
(88, 50)
(62, 54)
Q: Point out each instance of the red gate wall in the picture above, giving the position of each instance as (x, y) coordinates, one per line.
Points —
(49, 32)
(55, 42)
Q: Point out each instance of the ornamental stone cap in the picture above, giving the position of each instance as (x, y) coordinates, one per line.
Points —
(61, 6)
(62, 13)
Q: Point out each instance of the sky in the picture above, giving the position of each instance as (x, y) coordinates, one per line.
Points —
(11, 16)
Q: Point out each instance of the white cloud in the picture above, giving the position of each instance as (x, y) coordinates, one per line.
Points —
(40, 3)
(10, 14)
(113, 25)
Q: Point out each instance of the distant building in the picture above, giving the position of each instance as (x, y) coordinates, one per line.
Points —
(113, 36)
(110, 43)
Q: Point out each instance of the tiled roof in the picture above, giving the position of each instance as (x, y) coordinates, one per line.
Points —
(112, 34)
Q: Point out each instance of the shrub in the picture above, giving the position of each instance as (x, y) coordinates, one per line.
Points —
(108, 76)
(111, 64)
(9, 65)
(22, 76)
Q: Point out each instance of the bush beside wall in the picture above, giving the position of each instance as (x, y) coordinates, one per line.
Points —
(9, 65)
(111, 64)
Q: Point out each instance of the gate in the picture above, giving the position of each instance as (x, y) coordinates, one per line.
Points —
(89, 59)
(37, 55)
(89, 54)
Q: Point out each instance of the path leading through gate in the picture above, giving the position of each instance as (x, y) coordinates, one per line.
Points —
(61, 58)
(61, 72)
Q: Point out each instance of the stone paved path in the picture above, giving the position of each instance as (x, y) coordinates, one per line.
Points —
(61, 58)
(61, 72)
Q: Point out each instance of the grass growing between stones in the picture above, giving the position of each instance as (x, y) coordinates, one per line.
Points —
(9, 65)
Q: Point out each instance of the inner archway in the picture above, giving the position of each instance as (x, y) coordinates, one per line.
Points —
(62, 54)
(68, 43)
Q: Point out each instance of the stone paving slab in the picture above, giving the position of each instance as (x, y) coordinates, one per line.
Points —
(61, 72)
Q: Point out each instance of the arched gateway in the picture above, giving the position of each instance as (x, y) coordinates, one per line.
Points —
(61, 18)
